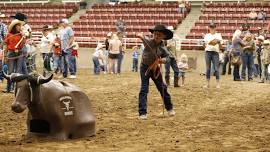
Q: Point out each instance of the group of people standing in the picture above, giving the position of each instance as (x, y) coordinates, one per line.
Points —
(18, 50)
(244, 50)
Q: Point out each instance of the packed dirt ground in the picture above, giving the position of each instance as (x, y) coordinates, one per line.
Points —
(235, 117)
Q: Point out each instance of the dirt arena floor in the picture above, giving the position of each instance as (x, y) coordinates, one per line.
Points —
(233, 118)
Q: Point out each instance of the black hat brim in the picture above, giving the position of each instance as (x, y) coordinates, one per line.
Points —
(168, 33)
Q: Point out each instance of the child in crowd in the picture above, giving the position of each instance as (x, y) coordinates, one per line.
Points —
(265, 61)
(74, 55)
(135, 57)
(57, 54)
(97, 55)
(183, 66)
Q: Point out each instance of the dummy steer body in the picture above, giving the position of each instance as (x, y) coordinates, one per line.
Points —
(57, 109)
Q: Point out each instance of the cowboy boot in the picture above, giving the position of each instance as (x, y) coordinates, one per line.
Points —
(167, 79)
(176, 79)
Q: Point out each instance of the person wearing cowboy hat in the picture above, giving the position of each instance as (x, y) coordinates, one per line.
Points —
(265, 61)
(14, 45)
(96, 57)
(154, 53)
(212, 46)
(26, 29)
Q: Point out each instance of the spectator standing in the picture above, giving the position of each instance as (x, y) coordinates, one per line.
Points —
(67, 38)
(135, 58)
(171, 63)
(213, 42)
(262, 15)
(236, 54)
(72, 59)
(247, 57)
(265, 61)
(228, 49)
(114, 49)
(259, 47)
(3, 33)
(183, 67)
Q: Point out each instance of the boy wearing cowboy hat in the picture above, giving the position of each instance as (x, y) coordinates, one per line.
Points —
(154, 53)
(96, 57)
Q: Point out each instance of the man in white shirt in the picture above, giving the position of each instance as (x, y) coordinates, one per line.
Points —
(213, 42)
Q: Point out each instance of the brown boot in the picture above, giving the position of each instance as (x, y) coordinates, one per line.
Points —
(167, 79)
(176, 79)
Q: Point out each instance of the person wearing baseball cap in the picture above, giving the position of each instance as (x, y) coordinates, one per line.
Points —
(212, 46)
(67, 38)
(154, 53)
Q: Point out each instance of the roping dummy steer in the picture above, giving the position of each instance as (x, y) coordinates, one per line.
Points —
(57, 109)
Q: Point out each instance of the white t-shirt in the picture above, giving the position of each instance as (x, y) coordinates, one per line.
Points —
(210, 37)
(98, 53)
(45, 42)
(115, 46)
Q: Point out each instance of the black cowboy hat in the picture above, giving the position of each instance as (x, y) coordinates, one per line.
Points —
(161, 28)
(19, 16)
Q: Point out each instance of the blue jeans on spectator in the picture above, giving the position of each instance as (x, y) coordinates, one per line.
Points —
(224, 66)
(171, 63)
(212, 57)
(65, 60)
(72, 65)
(162, 88)
(56, 63)
(247, 62)
(96, 65)
(14, 66)
(135, 65)
(119, 62)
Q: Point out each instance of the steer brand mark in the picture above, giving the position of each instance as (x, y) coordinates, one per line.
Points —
(67, 102)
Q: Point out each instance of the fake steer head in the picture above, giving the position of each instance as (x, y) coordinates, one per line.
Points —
(23, 90)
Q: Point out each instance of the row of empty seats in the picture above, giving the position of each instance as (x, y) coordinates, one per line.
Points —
(138, 17)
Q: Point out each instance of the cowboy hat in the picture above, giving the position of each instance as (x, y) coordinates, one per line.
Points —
(161, 28)
(64, 21)
(266, 42)
(19, 16)
(13, 23)
(260, 38)
(2, 15)
(47, 27)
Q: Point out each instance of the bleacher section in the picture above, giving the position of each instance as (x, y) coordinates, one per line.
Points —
(228, 17)
(139, 17)
(39, 14)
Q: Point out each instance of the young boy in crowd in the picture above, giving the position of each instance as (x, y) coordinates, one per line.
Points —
(97, 55)
(72, 60)
(135, 57)
(183, 66)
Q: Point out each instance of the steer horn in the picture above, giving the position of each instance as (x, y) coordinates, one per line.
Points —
(40, 80)
(16, 77)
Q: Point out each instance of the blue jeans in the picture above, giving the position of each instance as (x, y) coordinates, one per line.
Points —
(72, 65)
(14, 66)
(119, 62)
(162, 88)
(96, 65)
(247, 62)
(1, 68)
(135, 65)
(212, 57)
(56, 63)
(65, 62)
(171, 63)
